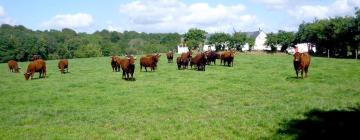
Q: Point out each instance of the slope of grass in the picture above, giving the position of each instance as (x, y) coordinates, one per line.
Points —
(248, 101)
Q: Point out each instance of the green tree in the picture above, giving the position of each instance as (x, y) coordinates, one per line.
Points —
(194, 37)
(219, 39)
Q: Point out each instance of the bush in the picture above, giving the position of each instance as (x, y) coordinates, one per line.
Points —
(89, 50)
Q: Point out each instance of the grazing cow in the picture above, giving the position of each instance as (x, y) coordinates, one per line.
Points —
(62, 65)
(185, 58)
(127, 65)
(170, 56)
(115, 66)
(38, 65)
(35, 57)
(178, 62)
(228, 57)
(148, 61)
(301, 63)
(211, 56)
(13, 66)
(199, 61)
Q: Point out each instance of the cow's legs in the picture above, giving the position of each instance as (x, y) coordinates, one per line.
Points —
(306, 71)
(302, 71)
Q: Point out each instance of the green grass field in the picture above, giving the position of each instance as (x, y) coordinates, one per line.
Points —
(251, 100)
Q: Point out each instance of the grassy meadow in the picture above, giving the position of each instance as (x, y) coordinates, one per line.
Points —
(252, 100)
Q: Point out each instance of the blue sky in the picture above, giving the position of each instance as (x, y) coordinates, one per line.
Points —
(170, 15)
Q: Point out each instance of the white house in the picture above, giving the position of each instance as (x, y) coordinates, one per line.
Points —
(182, 49)
(209, 47)
(260, 39)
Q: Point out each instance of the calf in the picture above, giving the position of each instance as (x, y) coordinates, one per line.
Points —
(38, 65)
(13, 66)
(301, 63)
(62, 65)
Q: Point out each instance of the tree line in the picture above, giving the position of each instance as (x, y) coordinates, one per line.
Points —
(19, 43)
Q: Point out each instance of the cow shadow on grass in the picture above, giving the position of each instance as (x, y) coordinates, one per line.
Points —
(319, 124)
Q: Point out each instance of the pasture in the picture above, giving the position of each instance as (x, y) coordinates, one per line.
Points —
(252, 100)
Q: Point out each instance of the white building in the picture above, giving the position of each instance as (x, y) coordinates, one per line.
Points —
(182, 49)
(209, 47)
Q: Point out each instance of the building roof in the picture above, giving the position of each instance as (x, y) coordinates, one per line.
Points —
(252, 34)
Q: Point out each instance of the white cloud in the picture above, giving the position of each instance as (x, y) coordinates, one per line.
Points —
(78, 20)
(176, 16)
(5, 19)
(276, 4)
(337, 8)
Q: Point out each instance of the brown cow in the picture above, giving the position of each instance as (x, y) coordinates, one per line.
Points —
(157, 57)
(199, 60)
(170, 56)
(211, 56)
(62, 65)
(148, 61)
(127, 65)
(115, 66)
(178, 62)
(301, 63)
(228, 57)
(13, 66)
(185, 58)
(38, 65)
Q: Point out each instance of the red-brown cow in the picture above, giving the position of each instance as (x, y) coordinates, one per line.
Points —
(199, 60)
(127, 65)
(148, 61)
(185, 58)
(13, 66)
(62, 65)
(170, 56)
(301, 63)
(211, 56)
(156, 56)
(38, 65)
(228, 57)
(178, 62)
(115, 66)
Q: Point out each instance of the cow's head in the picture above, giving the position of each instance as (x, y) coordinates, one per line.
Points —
(297, 57)
(131, 59)
(27, 75)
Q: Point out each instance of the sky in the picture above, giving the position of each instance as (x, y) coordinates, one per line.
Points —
(169, 16)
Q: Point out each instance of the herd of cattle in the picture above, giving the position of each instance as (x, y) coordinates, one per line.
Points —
(127, 64)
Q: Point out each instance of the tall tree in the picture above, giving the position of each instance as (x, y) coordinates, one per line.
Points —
(195, 37)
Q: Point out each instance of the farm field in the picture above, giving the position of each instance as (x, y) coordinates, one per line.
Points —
(255, 99)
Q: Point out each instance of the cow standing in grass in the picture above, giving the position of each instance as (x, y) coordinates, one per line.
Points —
(170, 56)
(148, 61)
(228, 57)
(115, 66)
(156, 57)
(211, 56)
(38, 65)
(199, 61)
(13, 66)
(127, 65)
(301, 63)
(185, 59)
(62, 65)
